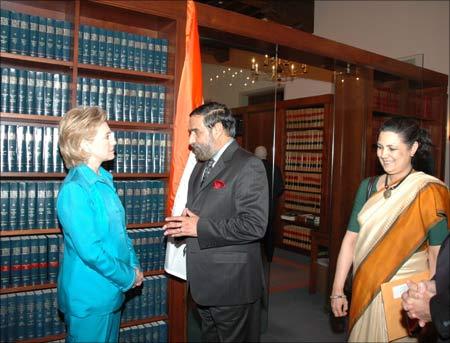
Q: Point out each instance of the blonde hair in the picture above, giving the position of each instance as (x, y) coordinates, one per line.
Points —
(77, 124)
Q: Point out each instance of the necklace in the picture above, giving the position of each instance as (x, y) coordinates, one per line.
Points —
(389, 189)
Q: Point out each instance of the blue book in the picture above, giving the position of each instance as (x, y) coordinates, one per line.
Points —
(162, 252)
(155, 103)
(59, 165)
(16, 260)
(26, 261)
(93, 92)
(93, 45)
(137, 52)
(29, 146)
(57, 95)
(157, 281)
(21, 149)
(123, 49)
(39, 92)
(116, 49)
(163, 332)
(47, 300)
(11, 310)
(13, 89)
(67, 40)
(14, 31)
(147, 104)
(134, 152)
(39, 313)
(5, 261)
(43, 260)
(148, 205)
(141, 152)
(130, 51)
(50, 38)
(127, 152)
(12, 149)
(4, 205)
(137, 200)
(156, 241)
(118, 100)
(31, 205)
(140, 103)
(37, 153)
(47, 149)
(164, 57)
(129, 201)
(120, 152)
(155, 332)
(30, 92)
(59, 39)
(34, 258)
(48, 94)
(42, 37)
(157, 56)
(150, 55)
(149, 287)
(40, 205)
(3, 147)
(53, 257)
(79, 92)
(149, 153)
(22, 91)
(4, 30)
(144, 53)
(56, 187)
(163, 281)
(22, 219)
(49, 205)
(133, 102)
(162, 153)
(34, 35)
(102, 96)
(13, 204)
(85, 92)
(110, 99)
(65, 94)
(30, 320)
(126, 101)
(161, 104)
(101, 46)
(21, 321)
(5, 101)
(156, 152)
(86, 38)
(109, 48)
(4, 317)
(24, 34)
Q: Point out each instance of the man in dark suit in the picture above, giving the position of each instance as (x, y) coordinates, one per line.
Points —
(430, 300)
(225, 218)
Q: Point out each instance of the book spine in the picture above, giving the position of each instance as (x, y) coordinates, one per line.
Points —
(130, 51)
(16, 260)
(42, 37)
(26, 261)
(161, 104)
(31, 86)
(119, 100)
(109, 48)
(25, 34)
(102, 96)
(12, 149)
(37, 153)
(126, 101)
(48, 94)
(57, 95)
(101, 46)
(123, 50)
(15, 33)
(13, 203)
(93, 45)
(140, 103)
(164, 57)
(110, 99)
(93, 92)
(4, 30)
(53, 256)
(13, 79)
(22, 91)
(119, 161)
(49, 205)
(86, 44)
(50, 39)
(5, 265)
(3, 148)
(34, 258)
(29, 145)
(47, 147)
(150, 55)
(65, 94)
(39, 92)
(34, 35)
(157, 56)
(21, 148)
(31, 205)
(5, 96)
(4, 205)
(59, 39)
(43, 260)
(40, 205)
(67, 40)
(116, 49)
(133, 102)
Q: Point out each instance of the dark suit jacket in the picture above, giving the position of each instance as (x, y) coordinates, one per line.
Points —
(224, 264)
(440, 303)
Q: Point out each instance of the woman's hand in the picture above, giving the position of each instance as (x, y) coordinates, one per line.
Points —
(139, 278)
(339, 305)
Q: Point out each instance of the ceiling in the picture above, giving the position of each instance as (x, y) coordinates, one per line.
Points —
(298, 14)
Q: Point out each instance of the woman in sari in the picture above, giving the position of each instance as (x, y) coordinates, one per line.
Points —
(397, 225)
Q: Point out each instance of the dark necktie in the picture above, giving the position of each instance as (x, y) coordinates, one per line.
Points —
(209, 165)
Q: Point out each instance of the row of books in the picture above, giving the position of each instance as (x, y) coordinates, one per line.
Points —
(35, 35)
(305, 182)
(124, 50)
(123, 101)
(304, 140)
(142, 152)
(150, 247)
(155, 332)
(30, 260)
(302, 201)
(420, 105)
(297, 236)
(303, 161)
(147, 301)
(29, 315)
(386, 99)
(307, 219)
(304, 118)
(34, 92)
(26, 148)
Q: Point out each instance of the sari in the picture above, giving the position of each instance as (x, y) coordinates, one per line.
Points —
(391, 245)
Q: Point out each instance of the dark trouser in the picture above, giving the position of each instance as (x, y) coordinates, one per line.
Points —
(238, 323)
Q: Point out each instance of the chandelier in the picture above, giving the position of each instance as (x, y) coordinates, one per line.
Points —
(276, 69)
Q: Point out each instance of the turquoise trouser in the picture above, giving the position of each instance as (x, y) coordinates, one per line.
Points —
(103, 328)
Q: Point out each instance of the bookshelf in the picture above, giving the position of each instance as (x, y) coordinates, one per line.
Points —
(306, 160)
(60, 54)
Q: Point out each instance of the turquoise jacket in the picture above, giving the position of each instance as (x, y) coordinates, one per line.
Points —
(99, 258)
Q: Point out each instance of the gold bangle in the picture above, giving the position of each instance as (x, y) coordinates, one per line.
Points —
(340, 296)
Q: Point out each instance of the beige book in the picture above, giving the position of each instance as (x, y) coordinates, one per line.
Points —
(392, 301)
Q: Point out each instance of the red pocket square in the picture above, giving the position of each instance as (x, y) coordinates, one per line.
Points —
(218, 184)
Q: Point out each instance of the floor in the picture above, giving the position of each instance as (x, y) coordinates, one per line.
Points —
(294, 314)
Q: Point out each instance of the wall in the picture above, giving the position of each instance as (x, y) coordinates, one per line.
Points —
(391, 28)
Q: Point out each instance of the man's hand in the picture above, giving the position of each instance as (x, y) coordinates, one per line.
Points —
(139, 277)
(181, 226)
(416, 301)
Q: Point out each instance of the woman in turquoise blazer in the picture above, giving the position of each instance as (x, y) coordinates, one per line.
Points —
(99, 262)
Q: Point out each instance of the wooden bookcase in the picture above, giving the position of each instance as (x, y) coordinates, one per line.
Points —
(122, 16)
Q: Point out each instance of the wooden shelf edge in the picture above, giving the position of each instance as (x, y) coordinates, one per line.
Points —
(40, 60)
(127, 72)
(144, 225)
(42, 175)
